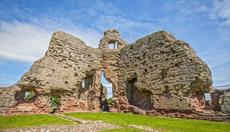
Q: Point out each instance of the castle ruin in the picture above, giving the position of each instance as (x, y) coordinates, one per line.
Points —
(156, 75)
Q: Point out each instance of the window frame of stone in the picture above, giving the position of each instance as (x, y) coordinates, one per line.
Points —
(113, 45)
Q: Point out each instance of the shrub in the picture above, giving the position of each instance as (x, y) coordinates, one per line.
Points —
(54, 103)
(29, 95)
(110, 101)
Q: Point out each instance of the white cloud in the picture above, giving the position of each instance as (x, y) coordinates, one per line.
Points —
(90, 36)
(220, 10)
(133, 29)
(22, 41)
(226, 86)
(26, 42)
(203, 8)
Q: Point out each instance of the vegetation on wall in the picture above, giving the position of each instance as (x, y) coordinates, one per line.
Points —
(109, 101)
(29, 95)
(54, 103)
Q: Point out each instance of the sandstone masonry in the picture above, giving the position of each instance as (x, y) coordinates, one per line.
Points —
(156, 75)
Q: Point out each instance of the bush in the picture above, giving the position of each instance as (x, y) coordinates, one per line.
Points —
(54, 103)
(110, 101)
(29, 95)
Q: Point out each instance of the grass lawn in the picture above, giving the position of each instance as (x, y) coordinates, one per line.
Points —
(30, 120)
(161, 123)
(124, 130)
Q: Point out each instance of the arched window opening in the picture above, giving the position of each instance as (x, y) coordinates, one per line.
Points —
(87, 82)
(83, 83)
(208, 100)
(27, 95)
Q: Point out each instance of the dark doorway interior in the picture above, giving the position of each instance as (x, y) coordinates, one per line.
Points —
(141, 99)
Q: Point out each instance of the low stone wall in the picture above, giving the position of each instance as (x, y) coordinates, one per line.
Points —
(221, 100)
(186, 114)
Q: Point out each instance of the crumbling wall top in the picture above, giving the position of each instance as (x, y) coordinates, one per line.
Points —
(111, 32)
(112, 40)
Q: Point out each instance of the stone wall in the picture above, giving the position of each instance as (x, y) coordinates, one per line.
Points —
(61, 71)
(7, 99)
(221, 100)
(156, 75)
(166, 71)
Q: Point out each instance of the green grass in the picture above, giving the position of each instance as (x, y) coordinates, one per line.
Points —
(31, 120)
(124, 130)
(161, 123)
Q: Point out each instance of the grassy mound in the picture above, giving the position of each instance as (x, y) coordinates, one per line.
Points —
(161, 123)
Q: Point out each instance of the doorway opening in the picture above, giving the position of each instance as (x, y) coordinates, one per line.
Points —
(108, 86)
(141, 99)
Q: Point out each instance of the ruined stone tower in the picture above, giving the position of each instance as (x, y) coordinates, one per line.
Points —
(156, 74)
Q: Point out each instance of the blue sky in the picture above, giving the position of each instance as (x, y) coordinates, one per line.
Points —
(27, 25)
